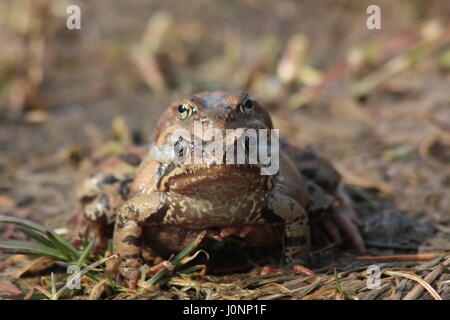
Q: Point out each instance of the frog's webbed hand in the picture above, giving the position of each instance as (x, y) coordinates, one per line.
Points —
(132, 216)
(297, 233)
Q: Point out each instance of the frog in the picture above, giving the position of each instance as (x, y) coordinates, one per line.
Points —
(156, 199)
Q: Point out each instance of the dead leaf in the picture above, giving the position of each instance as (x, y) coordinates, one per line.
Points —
(35, 266)
(98, 290)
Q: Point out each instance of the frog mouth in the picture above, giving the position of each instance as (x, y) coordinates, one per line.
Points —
(183, 179)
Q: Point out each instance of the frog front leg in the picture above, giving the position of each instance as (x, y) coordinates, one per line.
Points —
(297, 239)
(132, 216)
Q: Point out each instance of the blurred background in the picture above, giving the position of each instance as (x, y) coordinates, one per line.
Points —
(375, 102)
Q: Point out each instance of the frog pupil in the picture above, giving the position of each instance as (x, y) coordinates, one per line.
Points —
(182, 108)
(179, 148)
(248, 104)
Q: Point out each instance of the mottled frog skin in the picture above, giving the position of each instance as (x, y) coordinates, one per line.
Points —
(151, 202)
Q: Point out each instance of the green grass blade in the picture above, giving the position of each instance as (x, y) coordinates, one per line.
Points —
(58, 246)
(110, 245)
(110, 280)
(339, 288)
(67, 245)
(57, 240)
(36, 236)
(62, 244)
(144, 272)
(86, 252)
(30, 248)
(194, 244)
(23, 222)
(157, 276)
(192, 269)
(92, 277)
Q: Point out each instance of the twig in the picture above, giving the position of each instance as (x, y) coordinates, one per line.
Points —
(404, 257)
(417, 290)
(372, 295)
(399, 289)
(319, 292)
(414, 277)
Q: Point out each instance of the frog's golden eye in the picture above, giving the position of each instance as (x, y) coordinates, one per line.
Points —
(184, 111)
(246, 106)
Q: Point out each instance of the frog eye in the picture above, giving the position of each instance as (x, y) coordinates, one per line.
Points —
(180, 148)
(246, 106)
(184, 111)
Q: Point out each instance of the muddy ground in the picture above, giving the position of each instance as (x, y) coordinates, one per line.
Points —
(375, 102)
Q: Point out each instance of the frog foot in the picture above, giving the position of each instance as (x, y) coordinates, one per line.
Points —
(238, 231)
(336, 224)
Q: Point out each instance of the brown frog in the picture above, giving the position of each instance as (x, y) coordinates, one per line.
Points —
(155, 198)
